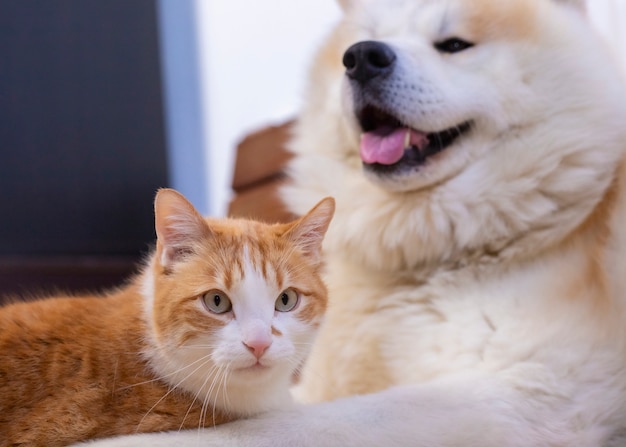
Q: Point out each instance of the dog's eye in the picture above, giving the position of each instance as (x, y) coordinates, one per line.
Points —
(453, 45)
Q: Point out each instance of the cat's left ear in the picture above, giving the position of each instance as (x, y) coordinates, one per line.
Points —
(179, 226)
(308, 231)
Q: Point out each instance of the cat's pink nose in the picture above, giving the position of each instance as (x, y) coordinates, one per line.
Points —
(258, 346)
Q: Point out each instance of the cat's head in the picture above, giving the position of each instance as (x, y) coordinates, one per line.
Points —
(233, 305)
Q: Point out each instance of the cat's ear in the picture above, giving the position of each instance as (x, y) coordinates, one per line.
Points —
(179, 226)
(308, 231)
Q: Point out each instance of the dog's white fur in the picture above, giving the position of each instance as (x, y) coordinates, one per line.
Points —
(479, 300)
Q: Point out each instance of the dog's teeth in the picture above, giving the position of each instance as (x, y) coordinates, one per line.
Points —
(407, 138)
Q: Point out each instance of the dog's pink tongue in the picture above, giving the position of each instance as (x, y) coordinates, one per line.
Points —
(387, 148)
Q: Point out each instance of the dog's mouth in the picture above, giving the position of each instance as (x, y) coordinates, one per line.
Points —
(388, 144)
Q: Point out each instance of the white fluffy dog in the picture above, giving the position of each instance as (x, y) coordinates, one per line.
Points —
(477, 260)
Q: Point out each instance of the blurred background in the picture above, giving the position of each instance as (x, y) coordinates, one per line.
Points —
(104, 101)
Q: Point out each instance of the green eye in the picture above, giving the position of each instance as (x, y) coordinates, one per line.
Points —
(287, 300)
(216, 301)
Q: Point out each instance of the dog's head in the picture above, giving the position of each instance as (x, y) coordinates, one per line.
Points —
(493, 118)
(433, 86)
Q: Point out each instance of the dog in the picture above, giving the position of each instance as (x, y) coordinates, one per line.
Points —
(477, 260)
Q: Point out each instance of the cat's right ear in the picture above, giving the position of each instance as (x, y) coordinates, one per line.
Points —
(179, 226)
(308, 231)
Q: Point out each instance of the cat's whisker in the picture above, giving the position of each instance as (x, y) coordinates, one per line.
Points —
(164, 376)
(293, 363)
(225, 397)
(152, 408)
(208, 376)
(214, 373)
(212, 388)
(205, 406)
(223, 384)
(200, 346)
(206, 359)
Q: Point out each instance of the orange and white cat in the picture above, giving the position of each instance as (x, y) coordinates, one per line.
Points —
(212, 329)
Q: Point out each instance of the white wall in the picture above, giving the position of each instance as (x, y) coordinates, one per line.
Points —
(609, 16)
(185, 113)
(254, 56)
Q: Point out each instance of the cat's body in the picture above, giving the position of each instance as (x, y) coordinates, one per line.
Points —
(61, 381)
(211, 330)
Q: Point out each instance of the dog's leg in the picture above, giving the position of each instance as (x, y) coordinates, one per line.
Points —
(448, 413)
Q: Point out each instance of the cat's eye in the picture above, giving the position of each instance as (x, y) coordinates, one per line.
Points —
(453, 45)
(287, 300)
(217, 301)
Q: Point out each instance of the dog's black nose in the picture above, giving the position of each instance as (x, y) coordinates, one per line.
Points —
(367, 60)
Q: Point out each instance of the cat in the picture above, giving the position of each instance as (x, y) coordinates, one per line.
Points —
(212, 329)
